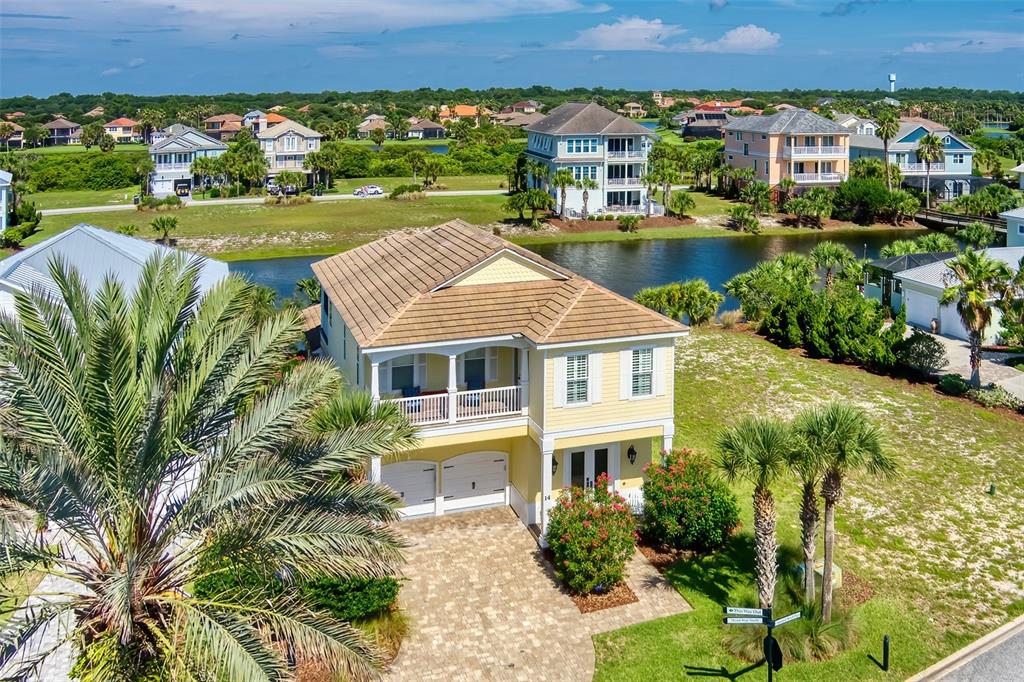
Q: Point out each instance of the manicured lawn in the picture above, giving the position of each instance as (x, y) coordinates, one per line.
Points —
(943, 558)
(77, 148)
(257, 231)
(84, 197)
(454, 182)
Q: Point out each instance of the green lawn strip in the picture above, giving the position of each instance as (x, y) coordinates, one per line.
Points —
(367, 142)
(942, 557)
(84, 197)
(77, 148)
(454, 182)
(14, 589)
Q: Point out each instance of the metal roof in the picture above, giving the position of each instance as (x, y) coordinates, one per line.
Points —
(910, 260)
(787, 121)
(578, 118)
(937, 274)
(1015, 212)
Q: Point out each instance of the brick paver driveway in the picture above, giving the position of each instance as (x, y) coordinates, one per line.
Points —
(482, 607)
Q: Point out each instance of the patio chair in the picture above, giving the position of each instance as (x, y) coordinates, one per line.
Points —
(412, 392)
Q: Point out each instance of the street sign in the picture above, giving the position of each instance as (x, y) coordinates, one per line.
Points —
(786, 619)
(739, 611)
(746, 620)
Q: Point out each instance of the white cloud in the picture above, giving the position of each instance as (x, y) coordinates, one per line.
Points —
(973, 42)
(136, 63)
(133, 63)
(599, 8)
(628, 33)
(742, 39)
(110, 72)
(717, 4)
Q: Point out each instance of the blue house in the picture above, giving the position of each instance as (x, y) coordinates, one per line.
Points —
(1014, 226)
(951, 177)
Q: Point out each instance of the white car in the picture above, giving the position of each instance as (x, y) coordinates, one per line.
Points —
(372, 190)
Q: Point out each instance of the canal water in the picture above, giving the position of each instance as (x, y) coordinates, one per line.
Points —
(625, 267)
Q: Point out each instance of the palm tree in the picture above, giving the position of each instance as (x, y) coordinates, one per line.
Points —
(888, 128)
(170, 434)
(830, 255)
(6, 130)
(415, 159)
(164, 224)
(563, 179)
(976, 281)
(310, 288)
(536, 200)
(806, 460)
(538, 171)
(205, 167)
(150, 120)
(756, 450)
(929, 150)
(586, 184)
(847, 441)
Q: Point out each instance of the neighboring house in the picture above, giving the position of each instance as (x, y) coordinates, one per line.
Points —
(276, 108)
(424, 129)
(514, 120)
(95, 112)
(880, 276)
(923, 286)
(633, 110)
(96, 254)
(173, 153)
(823, 101)
(62, 131)
(522, 377)
(1019, 170)
(222, 126)
(784, 106)
(14, 115)
(888, 101)
(6, 198)
(702, 124)
(123, 130)
(599, 144)
(259, 121)
(1014, 226)
(794, 143)
(855, 124)
(17, 138)
(719, 105)
(371, 123)
(661, 101)
(304, 109)
(286, 144)
(461, 111)
(524, 107)
(951, 177)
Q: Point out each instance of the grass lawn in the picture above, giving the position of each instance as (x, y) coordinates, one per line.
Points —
(77, 148)
(454, 182)
(246, 231)
(398, 143)
(944, 559)
(84, 197)
(14, 589)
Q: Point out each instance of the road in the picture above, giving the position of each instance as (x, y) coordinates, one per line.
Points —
(1002, 662)
(259, 200)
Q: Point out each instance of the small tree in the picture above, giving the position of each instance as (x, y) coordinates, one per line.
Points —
(977, 234)
(629, 223)
(586, 184)
(758, 195)
(291, 178)
(164, 225)
(830, 256)
(537, 200)
(692, 299)
(6, 131)
(742, 218)
(929, 150)
(563, 179)
(107, 143)
(516, 203)
(91, 134)
(681, 203)
(378, 135)
(921, 353)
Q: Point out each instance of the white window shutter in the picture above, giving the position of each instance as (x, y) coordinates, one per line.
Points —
(559, 381)
(594, 377)
(420, 370)
(658, 369)
(385, 376)
(491, 371)
(625, 374)
(460, 370)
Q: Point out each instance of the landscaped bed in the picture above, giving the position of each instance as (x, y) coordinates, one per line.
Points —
(929, 557)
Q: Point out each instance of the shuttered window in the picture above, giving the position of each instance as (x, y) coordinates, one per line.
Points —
(576, 379)
(643, 371)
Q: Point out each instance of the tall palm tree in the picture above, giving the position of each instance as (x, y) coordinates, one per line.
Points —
(887, 129)
(756, 450)
(846, 441)
(149, 121)
(807, 461)
(160, 432)
(929, 150)
(586, 184)
(829, 255)
(976, 281)
(563, 179)
(539, 172)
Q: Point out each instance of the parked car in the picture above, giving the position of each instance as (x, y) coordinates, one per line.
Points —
(368, 191)
(290, 190)
(272, 188)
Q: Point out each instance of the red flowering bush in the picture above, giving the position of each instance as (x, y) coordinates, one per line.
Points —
(592, 534)
(686, 504)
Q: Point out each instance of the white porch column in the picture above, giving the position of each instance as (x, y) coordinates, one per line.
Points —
(547, 456)
(453, 387)
(375, 468)
(666, 436)
(524, 379)
(375, 380)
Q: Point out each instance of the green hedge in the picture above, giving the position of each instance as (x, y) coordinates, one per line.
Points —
(85, 170)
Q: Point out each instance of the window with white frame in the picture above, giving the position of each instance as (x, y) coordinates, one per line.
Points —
(577, 377)
(581, 145)
(291, 143)
(311, 144)
(580, 172)
(958, 158)
(403, 372)
(642, 370)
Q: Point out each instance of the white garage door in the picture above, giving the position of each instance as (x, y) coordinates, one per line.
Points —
(950, 323)
(415, 481)
(921, 308)
(477, 479)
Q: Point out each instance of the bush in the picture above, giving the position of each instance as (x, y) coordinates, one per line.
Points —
(405, 189)
(995, 396)
(921, 353)
(693, 299)
(591, 533)
(730, 318)
(742, 217)
(629, 223)
(85, 170)
(214, 192)
(168, 203)
(954, 384)
(861, 200)
(128, 229)
(281, 200)
(686, 505)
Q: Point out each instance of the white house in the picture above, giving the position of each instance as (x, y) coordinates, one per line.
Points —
(6, 197)
(923, 286)
(173, 152)
(1014, 226)
(594, 143)
(285, 146)
(1019, 170)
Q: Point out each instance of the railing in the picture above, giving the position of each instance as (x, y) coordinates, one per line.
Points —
(629, 154)
(623, 181)
(818, 177)
(956, 219)
(424, 409)
(634, 498)
(656, 209)
(816, 151)
(488, 402)
(171, 166)
(921, 167)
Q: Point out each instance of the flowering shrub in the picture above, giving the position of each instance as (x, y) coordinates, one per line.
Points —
(592, 535)
(686, 505)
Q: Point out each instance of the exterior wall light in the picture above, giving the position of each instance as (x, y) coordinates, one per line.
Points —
(631, 454)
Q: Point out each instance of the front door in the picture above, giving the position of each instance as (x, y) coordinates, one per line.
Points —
(585, 465)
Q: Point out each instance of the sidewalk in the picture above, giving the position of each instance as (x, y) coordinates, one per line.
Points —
(994, 369)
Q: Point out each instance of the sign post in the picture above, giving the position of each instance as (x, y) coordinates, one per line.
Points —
(736, 615)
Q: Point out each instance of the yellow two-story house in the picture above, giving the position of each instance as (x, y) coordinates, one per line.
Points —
(523, 377)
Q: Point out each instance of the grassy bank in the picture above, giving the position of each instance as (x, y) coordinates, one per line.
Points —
(77, 148)
(942, 559)
(84, 197)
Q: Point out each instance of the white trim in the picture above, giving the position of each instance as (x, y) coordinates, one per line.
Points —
(526, 511)
(594, 378)
(446, 429)
(666, 424)
(658, 370)
(459, 345)
(559, 384)
(490, 259)
(618, 339)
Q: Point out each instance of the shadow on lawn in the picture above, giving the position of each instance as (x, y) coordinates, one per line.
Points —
(722, 672)
(717, 575)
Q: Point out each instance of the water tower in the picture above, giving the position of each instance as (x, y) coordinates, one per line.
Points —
(892, 82)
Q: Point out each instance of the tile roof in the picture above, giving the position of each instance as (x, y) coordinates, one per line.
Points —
(121, 122)
(787, 121)
(578, 118)
(394, 291)
(276, 118)
(222, 118)
(936, 274)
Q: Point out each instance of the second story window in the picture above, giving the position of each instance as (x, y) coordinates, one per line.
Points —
(958, 158)
(642, 372)
(581, 145)
(311, 144)
(746, 149)
(576, 379)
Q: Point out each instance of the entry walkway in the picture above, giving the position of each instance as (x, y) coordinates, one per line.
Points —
(994, 369)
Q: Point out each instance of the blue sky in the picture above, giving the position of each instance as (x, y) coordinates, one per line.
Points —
(211, 46)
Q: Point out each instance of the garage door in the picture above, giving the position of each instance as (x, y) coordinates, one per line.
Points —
(477, 479)
(415, 481)
(950, 323)
(921, 308)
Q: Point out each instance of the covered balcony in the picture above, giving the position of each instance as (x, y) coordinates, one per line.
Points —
(433, 389)
(818, 178)
(815, 150)
(920, 168)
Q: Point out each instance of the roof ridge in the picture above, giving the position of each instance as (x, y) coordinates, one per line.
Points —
(397, 314)
(572, 304)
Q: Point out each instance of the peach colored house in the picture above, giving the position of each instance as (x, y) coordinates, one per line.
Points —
(794, 143)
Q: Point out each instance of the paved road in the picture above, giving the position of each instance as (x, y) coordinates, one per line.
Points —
(993, 366)
(1004, 662)
(259, 200)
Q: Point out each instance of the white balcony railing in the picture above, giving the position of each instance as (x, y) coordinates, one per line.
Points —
(616, 209)
(440, 408)
(811, 178)
(171, 166)
(630, 154)
(921, 167)
(824, 150)
(618, 182)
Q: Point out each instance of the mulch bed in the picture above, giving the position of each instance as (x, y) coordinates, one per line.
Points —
(620, 595)
(577, 226)
(663, 557)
